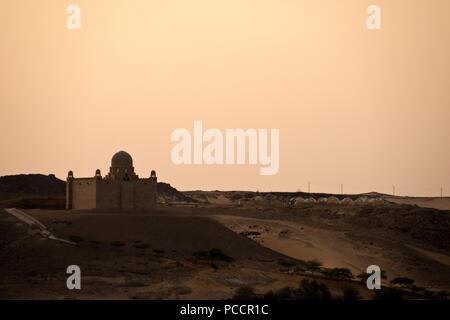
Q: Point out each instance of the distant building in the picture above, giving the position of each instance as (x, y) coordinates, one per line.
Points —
(121, 188)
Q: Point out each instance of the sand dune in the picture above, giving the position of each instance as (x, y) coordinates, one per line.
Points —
(302, 242)
(353, 248)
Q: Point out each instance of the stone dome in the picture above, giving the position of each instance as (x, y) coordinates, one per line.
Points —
(122, 159)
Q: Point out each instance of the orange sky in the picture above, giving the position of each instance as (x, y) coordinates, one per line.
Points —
(368, 109)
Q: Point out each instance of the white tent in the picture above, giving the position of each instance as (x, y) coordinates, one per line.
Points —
(347, 201)
(310, 200)
(298, 201)
(361, 200)
(333, 200)
(377, 201)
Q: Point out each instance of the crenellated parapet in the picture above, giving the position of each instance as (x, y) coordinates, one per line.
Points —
(121, 188)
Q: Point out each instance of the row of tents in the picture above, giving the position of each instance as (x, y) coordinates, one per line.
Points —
(335, 200)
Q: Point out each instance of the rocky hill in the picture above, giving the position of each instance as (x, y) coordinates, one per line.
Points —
(31, 184)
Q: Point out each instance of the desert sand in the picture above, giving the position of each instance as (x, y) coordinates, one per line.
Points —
(424, 202)
(34, 268)
(402, 240)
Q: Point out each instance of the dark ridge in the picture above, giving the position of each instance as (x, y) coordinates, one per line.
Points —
(33, 184)
(170, 194)
(285, 196)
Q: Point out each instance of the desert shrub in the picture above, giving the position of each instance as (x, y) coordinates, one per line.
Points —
(338, 273)
(286, 293)
(402, 281)
(269, 295)
(244, 293)
(442, 294)
(142, 245)
(312, 290)
(76, 239)
(350, 293)
(388, 293)
(363, 276)
(117, 243)
(287, 263)
(159, 251)
(415, 288)
(219, 254)
(214, 266)
(201, 254)
(428, 293)
(213, 255)
(313, 265)
(307, 290)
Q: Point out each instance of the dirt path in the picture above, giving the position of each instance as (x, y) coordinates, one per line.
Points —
(36, 224)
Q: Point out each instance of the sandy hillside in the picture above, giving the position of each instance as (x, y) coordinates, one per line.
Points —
(34, 268)
(341, 249)
(403, 240)
(437, 203)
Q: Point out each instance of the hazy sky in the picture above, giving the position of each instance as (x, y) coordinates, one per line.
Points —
(365, 108)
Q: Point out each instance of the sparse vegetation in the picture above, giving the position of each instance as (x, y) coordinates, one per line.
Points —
(213, 255)
(307, 290)
(117, 243)
(286, 293)
(142, 245)
(287, 263)
(402, 281)
(76, 239)
(338, 273)
(350, 293)
(214, 266)
(159, 252)
(313, 290)
(313, 265)
(96, 242)
(363, 276)
(428, 293)
(415, 288)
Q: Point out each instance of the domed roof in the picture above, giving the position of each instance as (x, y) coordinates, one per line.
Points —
(122, 159)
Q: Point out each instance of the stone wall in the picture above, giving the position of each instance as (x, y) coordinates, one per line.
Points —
(91, 193)
(108, 194)
(145, 194)
(83, 193)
